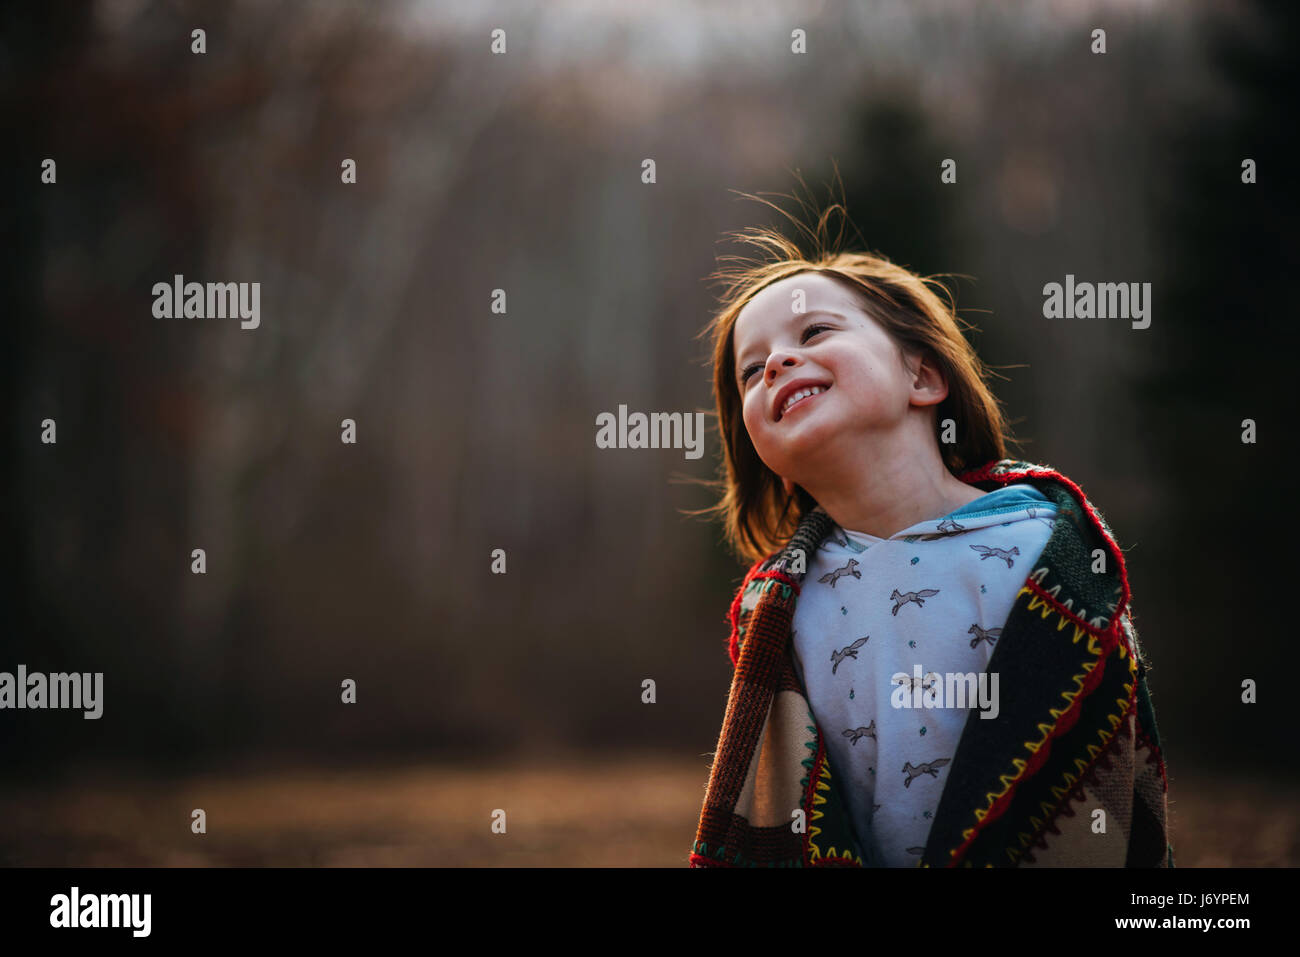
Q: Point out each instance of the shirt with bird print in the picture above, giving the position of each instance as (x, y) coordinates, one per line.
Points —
(892, 638)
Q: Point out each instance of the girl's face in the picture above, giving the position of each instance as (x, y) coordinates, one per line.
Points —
(832, 346)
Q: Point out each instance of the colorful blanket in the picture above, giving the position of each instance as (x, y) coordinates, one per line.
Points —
(1071, 773)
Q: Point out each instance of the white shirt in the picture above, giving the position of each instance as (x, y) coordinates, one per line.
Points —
(884, 632)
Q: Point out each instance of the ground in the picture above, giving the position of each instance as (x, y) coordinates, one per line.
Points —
(638, 812)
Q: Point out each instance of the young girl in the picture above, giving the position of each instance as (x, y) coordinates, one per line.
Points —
(935, 660)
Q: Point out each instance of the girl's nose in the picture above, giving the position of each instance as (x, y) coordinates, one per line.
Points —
(781, 360)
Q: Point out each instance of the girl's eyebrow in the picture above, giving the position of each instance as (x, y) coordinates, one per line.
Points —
(794, 318)
(819, 312)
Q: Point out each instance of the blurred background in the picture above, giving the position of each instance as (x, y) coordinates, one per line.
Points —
(475, 431)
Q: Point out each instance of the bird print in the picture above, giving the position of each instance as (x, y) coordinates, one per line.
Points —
(854, 734)
(944, 529)
(983, 635)
(850, 652)
(850, 569)
(912, 681)
(1003, 553)
(930, 767)
(902, 598)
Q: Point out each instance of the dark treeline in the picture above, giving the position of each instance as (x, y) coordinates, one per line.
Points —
(328, 561)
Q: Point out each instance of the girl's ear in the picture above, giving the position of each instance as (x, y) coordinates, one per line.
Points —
(929, 380)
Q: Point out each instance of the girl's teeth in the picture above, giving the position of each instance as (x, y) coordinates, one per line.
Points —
(800, 395)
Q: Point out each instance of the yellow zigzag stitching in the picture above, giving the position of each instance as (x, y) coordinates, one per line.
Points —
(1114, 720)
(823, 784)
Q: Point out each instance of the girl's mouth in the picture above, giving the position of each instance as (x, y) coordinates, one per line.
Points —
(799, 398)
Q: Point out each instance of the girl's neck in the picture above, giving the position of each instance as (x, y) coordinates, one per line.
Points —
(883, 490)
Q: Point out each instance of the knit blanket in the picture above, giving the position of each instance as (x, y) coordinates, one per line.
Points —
(1070, 773)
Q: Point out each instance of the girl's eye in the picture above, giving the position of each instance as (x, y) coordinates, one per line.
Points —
(813, 330)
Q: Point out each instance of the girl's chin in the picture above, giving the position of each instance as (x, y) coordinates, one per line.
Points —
(799, 441)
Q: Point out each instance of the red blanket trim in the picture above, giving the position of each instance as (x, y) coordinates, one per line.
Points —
(733, 615)
(1155, 754)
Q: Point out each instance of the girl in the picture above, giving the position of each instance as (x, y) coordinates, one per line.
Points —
(935, 660)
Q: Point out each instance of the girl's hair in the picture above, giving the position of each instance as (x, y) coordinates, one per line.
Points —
(757, 513)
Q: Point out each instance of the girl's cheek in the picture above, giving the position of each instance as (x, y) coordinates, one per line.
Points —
(753, 427)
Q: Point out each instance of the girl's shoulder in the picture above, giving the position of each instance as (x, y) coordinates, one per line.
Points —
(1078, 533)
(1052, 483)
